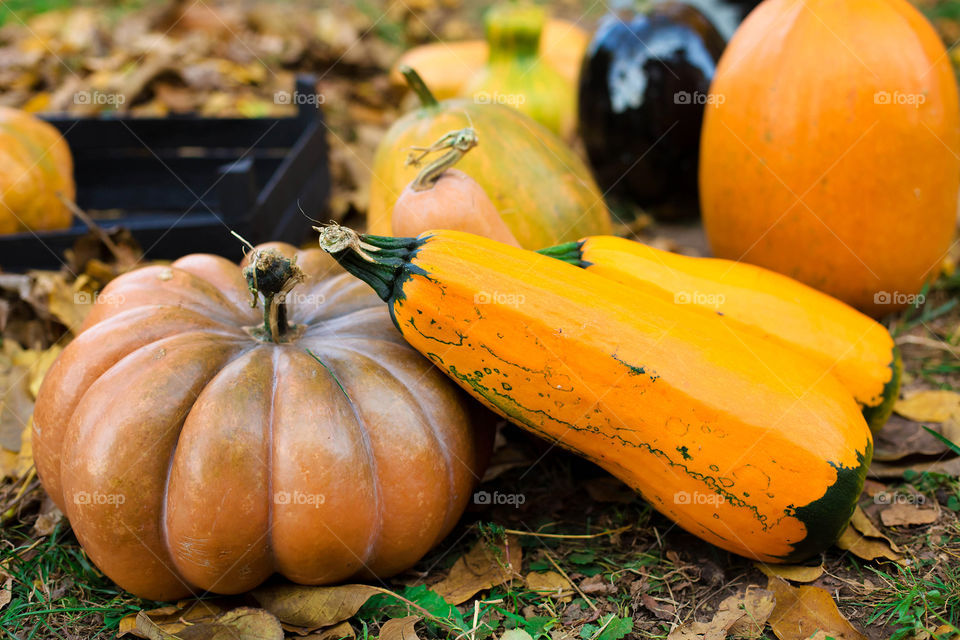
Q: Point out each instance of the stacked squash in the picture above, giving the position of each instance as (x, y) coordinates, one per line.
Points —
(738, 401)
(738, 438)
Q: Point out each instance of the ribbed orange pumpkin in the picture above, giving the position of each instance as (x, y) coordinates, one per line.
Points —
(35, 165)
(191, 452)
(833, 152)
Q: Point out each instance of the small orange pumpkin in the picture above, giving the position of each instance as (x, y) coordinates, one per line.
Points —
(831, 152)
(195, 449)
(35, 170)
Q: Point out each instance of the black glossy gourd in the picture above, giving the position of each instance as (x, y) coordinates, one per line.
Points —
(643, 89)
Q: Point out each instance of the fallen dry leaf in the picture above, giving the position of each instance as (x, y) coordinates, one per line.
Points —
(16, 403)
(791, 572)
(907, 514)
(948, 466)
(8, 463)
(400, 629)
(25, 455)
(336, 632)
(866, 548)
(662, 610)
(863, 539)
(929, 406)
(48, 519)
(757, 604)
(243, 623)
(803, 611)
(947, 632)
(483, 567)
(313, 607)
(16, 464)
(742, 615)
(172, 617)
(40, 368)
(67, 305)
(6, 590)
(900, 438)
(549, 583)
(597, 585)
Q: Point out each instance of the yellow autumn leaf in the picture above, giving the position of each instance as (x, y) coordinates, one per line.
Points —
(929, 406)
(802, 611)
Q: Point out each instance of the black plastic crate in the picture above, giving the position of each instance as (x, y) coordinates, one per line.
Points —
(181, 184)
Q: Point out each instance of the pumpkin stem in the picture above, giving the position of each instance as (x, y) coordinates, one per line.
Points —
(380, 261)
(418, 86)
(271, 275)
(458, 143)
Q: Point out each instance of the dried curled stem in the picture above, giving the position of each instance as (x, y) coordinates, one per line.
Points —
(271, 275)
(458, 143)
(335, 238)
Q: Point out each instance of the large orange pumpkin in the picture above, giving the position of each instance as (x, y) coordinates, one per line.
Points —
(193, 451)
(35, 166)
(831, 152)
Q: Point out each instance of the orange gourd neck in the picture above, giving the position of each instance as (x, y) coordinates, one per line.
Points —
(270, 276)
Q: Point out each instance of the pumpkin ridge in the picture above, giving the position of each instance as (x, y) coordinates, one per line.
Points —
(326, 312)
(177, 551)
(192, 292)
(371, 461)
(230, 330)
(84, 526)
(270, 429)
(82, 338)
(425, 420)
(323, 330)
